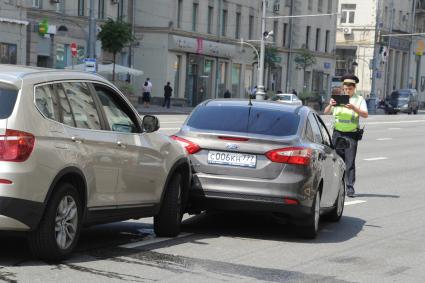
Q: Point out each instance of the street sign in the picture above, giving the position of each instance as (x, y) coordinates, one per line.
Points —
(74, 50)
(90, 65)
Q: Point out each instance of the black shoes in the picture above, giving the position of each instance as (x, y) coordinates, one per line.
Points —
(351, 194)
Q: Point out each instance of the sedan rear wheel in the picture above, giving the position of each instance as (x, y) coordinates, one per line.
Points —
(336, 213)
(311, 228)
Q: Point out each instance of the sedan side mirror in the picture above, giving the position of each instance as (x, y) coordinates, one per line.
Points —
(150, 124)
(342, 143)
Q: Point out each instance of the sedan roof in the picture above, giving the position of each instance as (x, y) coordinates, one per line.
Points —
(259, 104)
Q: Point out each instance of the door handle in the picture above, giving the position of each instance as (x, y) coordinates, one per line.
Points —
(76, 139)
(121, 144)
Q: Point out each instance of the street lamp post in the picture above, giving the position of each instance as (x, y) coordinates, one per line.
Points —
(260, 94)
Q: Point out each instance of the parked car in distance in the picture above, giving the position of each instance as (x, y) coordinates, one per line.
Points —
(405, 101)
(264, 156)
(287, 98)
(74, 152)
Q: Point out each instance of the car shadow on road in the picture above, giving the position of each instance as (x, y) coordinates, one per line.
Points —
(265, 227)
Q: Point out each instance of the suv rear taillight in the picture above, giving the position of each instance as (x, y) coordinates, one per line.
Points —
(16, 146)
(291, 155)
(190, 147)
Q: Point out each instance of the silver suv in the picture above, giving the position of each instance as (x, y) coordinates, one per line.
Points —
(74, 152)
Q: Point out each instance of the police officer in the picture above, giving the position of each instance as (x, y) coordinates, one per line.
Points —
(346, 125)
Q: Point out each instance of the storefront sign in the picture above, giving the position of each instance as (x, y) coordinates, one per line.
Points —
(201, 46)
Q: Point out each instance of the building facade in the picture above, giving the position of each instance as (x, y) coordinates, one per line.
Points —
(417, 66)
(368, 47)
(195, 44)
(13, 32)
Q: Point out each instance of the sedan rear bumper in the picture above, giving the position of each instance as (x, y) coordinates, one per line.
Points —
(210, 192)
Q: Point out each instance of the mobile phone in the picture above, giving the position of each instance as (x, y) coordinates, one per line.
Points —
(341, 99)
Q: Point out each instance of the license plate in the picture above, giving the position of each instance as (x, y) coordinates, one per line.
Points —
(232, 159)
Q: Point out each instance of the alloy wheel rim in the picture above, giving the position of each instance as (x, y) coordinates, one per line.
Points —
(316, 212)
(66, 222)
(341, 199)
(179, 202)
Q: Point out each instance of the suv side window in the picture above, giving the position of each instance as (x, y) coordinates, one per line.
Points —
(119, 116)
(325, 134)
(65, 112)
(82, 105)
(316, 130)
(45, 101)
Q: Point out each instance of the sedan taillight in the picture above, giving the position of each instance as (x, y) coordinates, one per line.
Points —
(190, 147)
(291, 155)
(16, 146)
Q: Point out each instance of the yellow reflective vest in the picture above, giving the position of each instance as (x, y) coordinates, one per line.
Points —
(347, 120)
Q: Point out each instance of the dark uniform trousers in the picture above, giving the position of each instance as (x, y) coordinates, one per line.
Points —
(349, 156)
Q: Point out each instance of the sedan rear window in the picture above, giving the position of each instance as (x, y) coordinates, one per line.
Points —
(8, 97)
(250, 120)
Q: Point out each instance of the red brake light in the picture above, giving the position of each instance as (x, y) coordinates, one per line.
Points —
(190, 147)
(291, 155)
(16, 146)
(233, 138)
(5, 182)
(290, 201)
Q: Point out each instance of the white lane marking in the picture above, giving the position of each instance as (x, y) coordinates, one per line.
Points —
(394, 129)
(375, 158)
(384, 139)
(171, 122)
(354, 202)
(394, 122)
(150, 241)
(169, 129)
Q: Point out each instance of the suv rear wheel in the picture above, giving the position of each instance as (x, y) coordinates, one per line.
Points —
(167, 222)
(59, 229)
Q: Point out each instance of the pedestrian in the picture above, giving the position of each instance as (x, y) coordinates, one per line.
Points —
(146, 95)
(347, 118)
(253, 92)
(227, 94)
(294, 91)
(321, 101)
(167, 95)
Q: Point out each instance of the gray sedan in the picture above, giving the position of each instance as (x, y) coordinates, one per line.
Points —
(264, 156)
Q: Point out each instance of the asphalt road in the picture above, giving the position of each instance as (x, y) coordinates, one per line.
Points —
(379, 239)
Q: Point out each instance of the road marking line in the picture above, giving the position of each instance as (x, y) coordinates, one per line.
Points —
(394, 129)
(354, 202)
(394, 122)
(150, 241)
(375, 158)
(169, 129)
(384, 139)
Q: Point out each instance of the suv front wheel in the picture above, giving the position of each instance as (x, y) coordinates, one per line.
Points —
(167, 221)
(59, 229)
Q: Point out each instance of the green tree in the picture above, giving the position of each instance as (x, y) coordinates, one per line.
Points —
(115, 35)
(270, 59)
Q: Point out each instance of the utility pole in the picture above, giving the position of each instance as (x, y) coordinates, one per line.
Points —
(92, 31)
(289, 64)
(387, 69)
(372, 101)
(260, 94)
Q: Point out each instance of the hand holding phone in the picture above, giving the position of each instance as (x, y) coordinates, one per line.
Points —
(341, 99)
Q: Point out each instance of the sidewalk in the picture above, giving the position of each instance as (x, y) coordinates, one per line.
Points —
(159, 110)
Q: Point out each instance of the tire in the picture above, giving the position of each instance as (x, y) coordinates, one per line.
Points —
(167, 221)
(335, 214)
(311, 228)
(46, 242)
